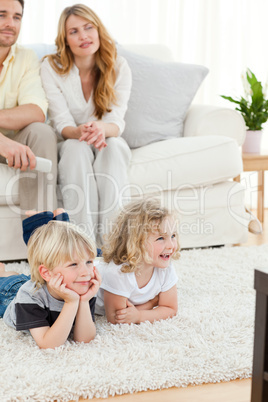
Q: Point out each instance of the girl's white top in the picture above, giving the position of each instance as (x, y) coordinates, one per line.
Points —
(67, 104)
(124, 284)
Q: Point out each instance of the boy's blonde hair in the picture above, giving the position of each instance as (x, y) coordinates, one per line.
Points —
(126, 242)
(56, 243)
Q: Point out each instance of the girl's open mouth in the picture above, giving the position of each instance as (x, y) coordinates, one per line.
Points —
(165, 256)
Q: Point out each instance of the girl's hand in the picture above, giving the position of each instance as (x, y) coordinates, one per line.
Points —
(128, 315)
(94, 133)
(59, 288)
(95, 285)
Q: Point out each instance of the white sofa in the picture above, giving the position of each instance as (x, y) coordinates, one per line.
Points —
(192, 173)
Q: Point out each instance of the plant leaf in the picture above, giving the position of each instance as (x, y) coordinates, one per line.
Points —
(254, 111)
(230, 99)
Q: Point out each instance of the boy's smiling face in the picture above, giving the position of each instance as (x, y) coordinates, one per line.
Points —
(76, 274)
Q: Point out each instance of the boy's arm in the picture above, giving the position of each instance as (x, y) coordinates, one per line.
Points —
(167, 307)
(84, 328)
(57, 334)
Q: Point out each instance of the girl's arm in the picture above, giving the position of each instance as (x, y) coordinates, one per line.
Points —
(167, 307)
(149, 305)
(112, 303)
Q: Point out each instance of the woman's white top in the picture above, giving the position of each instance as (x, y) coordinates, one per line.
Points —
(67, 104)
(124, 284)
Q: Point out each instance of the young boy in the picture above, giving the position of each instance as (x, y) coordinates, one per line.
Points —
(60, 297)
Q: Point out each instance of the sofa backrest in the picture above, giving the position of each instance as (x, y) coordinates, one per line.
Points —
(156, 51)
(42, 49)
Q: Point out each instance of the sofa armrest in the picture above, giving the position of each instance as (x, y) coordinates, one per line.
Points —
(214, 120)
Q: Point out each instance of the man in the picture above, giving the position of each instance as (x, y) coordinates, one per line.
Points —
(23, 107)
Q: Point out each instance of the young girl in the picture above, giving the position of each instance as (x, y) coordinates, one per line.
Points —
(139, 281)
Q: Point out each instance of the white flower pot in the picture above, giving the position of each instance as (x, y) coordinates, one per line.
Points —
(252, 142)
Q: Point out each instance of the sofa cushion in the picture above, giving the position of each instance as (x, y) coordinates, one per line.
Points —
(12, 246)
(213, 215)
(184, 162)
(160, 97)
(9, 185)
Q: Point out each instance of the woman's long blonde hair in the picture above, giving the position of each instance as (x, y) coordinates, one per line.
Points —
(62, 62)
(126, 242)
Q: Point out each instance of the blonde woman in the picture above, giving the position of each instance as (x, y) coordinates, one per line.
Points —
(88, 86)
(138, 277)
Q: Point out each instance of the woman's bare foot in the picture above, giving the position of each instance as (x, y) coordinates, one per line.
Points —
(4, 273)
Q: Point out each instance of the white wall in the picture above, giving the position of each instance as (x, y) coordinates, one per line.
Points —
(225, 35)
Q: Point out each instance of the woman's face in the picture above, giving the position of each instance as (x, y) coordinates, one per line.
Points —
(81, 36)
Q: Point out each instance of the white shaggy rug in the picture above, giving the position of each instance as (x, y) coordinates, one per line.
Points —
(210, 339)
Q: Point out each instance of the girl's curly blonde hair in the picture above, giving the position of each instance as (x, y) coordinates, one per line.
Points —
(62, 62)
(126, 242)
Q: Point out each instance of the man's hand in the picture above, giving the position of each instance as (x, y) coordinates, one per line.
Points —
(18, 156)
(95, 285)
(127, 315)
(94, 133)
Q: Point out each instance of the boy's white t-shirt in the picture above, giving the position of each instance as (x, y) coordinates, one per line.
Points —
(124, 284)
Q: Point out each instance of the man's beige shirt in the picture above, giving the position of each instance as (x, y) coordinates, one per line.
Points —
(20, 82)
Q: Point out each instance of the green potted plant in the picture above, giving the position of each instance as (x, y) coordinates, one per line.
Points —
(254, 109)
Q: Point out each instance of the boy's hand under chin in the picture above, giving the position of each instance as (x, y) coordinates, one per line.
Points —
(94, 286)
(60, 290)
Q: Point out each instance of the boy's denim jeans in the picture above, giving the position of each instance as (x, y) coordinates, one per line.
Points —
(9, 287)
